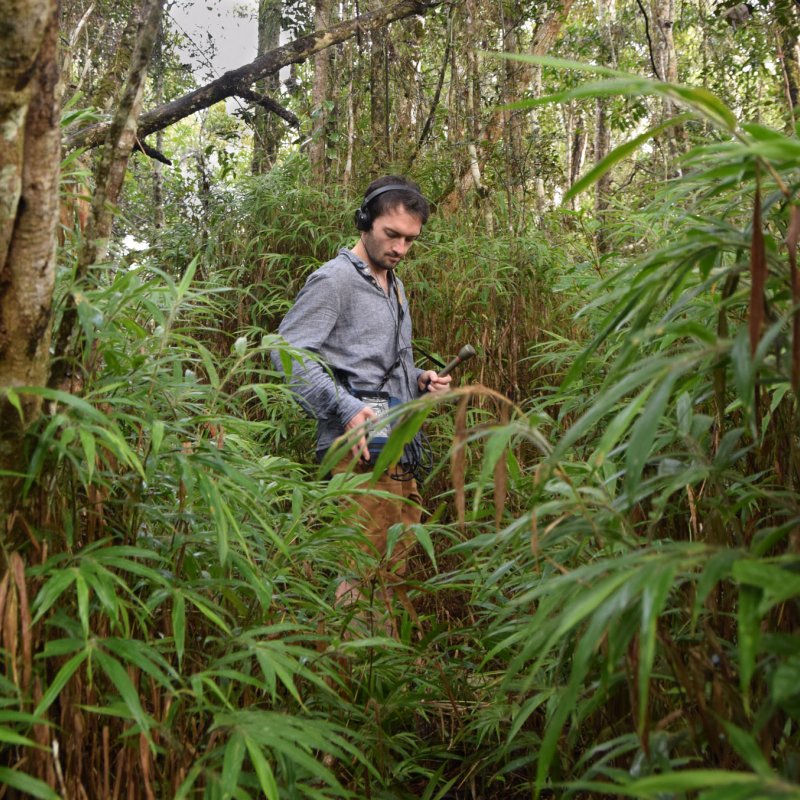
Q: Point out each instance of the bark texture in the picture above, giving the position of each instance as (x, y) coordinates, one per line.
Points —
(267, 130)
(666, 59)
(602, 140)
(29, 169)
(320, 95)
(379, 97)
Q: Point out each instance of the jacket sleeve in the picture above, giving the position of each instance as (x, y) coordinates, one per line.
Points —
(307, 326)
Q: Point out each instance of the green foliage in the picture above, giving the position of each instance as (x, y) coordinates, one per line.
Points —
(603, 601)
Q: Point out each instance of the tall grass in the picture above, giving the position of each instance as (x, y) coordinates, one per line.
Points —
(602, 602)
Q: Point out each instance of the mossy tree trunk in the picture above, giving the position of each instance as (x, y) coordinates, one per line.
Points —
(29, 171)
(320, 97)
(267, 130)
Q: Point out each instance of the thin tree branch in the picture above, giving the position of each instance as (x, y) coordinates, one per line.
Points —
(232, 82)
(268, 103)
(649, 40)
(151, 152)
(426, 129)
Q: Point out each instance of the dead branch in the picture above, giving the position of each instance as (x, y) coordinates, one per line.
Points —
(270, 104)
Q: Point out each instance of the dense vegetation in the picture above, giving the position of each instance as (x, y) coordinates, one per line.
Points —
(603, 599)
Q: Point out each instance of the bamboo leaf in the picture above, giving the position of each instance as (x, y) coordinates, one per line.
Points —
(121, 681)
(748, 622)
(32, 787)
(654, 596)
(644, 432)
(87, 441)
(82, 591)
(266, 777)
(758, 275)
(52, 590)
(424, 538)
(7, 736)
(13, 398)
(187, 278)
(60, 681)
(747, 747)
(179, 624)
(232, 765)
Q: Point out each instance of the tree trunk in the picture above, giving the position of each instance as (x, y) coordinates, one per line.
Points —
(267, 131)
(106, 91)
(514, 121)
(666, 59)
(109, 175)
(602, 142)
(786, 39)
(320, 96)
(157, 166)
(577, 148)
(29, 170)
(379, 95)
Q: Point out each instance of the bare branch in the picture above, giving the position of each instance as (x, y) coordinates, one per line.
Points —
(270, 104)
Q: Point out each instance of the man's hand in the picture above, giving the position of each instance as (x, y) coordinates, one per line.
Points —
(429, 381)
(360, 449)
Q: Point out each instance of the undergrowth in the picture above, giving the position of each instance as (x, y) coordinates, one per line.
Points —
(602, 601)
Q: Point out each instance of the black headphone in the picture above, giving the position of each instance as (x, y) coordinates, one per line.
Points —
(363, 216)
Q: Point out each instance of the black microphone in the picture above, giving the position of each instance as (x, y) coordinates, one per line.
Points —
(464, 354)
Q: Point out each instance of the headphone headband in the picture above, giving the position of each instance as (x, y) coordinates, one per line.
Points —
(392, 187)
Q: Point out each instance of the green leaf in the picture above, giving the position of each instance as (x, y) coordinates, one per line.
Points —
(424, 538)
(232, 765)
(748, 625)
(187, 278)
(13, 399)
(717, 567)
(156, 437)
(747, 747)
(60, 680)
(654, 596)
(82, 591)
(179, 624)
(32, 787)
(12, 737)
(786, 681)
(87, 441)
(121, 681)
(644, 432)
(266, 778)
(56, 585)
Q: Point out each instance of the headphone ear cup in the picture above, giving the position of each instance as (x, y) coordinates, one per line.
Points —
(363, 220)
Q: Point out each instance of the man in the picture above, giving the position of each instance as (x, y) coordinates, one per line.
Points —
(353, 314)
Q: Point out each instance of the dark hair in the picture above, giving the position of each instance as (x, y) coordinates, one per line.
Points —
(411, 198)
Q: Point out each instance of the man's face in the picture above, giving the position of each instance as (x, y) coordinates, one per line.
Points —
(391, 237)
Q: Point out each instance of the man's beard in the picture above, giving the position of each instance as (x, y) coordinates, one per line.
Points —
(380, 262)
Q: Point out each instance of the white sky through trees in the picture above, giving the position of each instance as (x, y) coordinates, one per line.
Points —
(223, 34)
